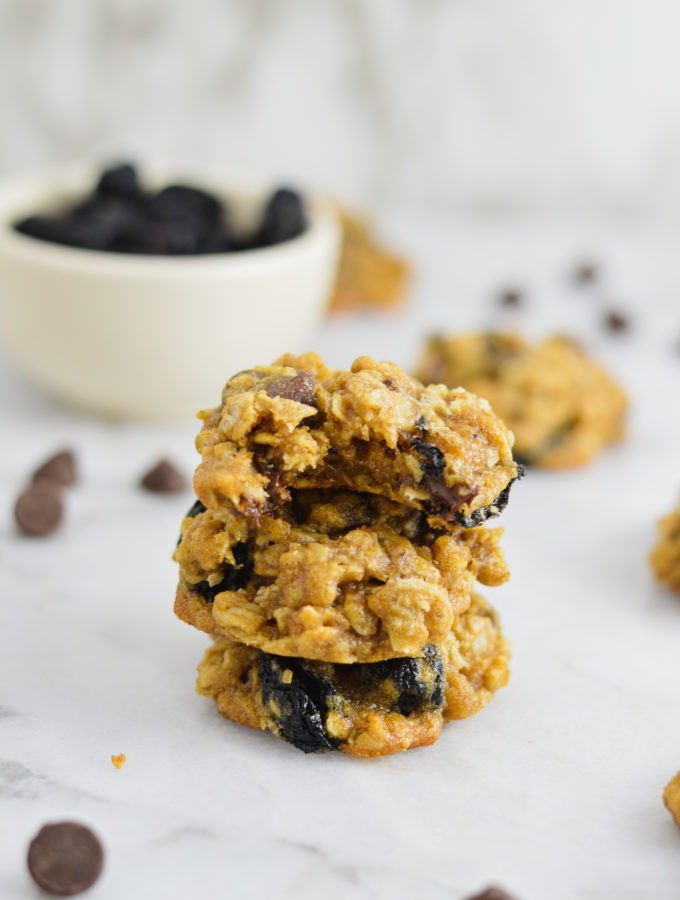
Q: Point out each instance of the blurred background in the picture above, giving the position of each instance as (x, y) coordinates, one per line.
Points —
(478, 107)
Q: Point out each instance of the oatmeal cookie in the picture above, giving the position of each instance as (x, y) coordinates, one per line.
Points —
(562, 408)
(671, 798)
(369, 276)
(298, 424)
(367, 710)
(665, 557)
(338, 576)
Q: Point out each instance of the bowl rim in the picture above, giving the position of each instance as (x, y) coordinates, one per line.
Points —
(18, 193)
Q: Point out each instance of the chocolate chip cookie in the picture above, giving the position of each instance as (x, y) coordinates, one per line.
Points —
(369, 709)
(299, 424)
(338, 576)
(562, 407)
(665, 556)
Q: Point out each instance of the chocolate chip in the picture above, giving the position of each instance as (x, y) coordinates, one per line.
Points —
(61, 467)
(164, 478)
(38, 511)
(616, 322)
(65, 858)
(493, 893)
(585, 273)
(511, 298)
(447, 499)
(301, 388)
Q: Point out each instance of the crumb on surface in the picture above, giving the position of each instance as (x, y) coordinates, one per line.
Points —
(118, 760)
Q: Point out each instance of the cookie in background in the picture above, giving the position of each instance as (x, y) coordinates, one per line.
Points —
(562, 407)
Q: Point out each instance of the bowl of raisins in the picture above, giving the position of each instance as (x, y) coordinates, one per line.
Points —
(139, 297)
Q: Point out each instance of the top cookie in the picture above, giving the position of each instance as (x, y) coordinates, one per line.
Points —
(561, 406)
(299, 424)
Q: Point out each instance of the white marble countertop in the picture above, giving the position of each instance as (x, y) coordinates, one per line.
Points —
(553, 791)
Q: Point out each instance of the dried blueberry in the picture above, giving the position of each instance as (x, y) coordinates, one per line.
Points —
(195, 510)
(181, 201)
(433, 463)
(235, 577)
(120, 181)
(479, 516)
(284, 218)
(297, 699)
(419, 681)
(299, 694)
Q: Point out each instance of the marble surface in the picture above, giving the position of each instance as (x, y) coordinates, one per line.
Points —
(475, 105)
(553, 791)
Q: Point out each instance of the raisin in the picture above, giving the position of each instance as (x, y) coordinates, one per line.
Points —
(235, 577)
(284, 218)
(299, 707)
(434, 458)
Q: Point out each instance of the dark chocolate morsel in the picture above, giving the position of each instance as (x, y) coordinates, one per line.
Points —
(164, 478)
(298, 703)
(61, 467)
(300, 387)
(446, 499)
(38, 511)
(493, 893)
(511, 298)
(616, 322)
(433, 463)
(235, 577)
(585, 273)
(65, 858)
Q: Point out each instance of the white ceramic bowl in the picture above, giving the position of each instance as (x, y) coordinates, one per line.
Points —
(154, 336)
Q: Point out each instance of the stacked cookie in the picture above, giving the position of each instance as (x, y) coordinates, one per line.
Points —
(334, 550)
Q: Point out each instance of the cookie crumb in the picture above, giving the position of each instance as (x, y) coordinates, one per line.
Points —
(118, 760)
(671, 798)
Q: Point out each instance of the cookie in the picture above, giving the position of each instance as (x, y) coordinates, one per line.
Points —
(671, 798)
(561, 406)
(665, 557)
(370, 277)
(338, 576)
(299, 424)
(367, 710)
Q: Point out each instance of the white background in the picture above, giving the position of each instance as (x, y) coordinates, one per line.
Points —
(514, 107)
